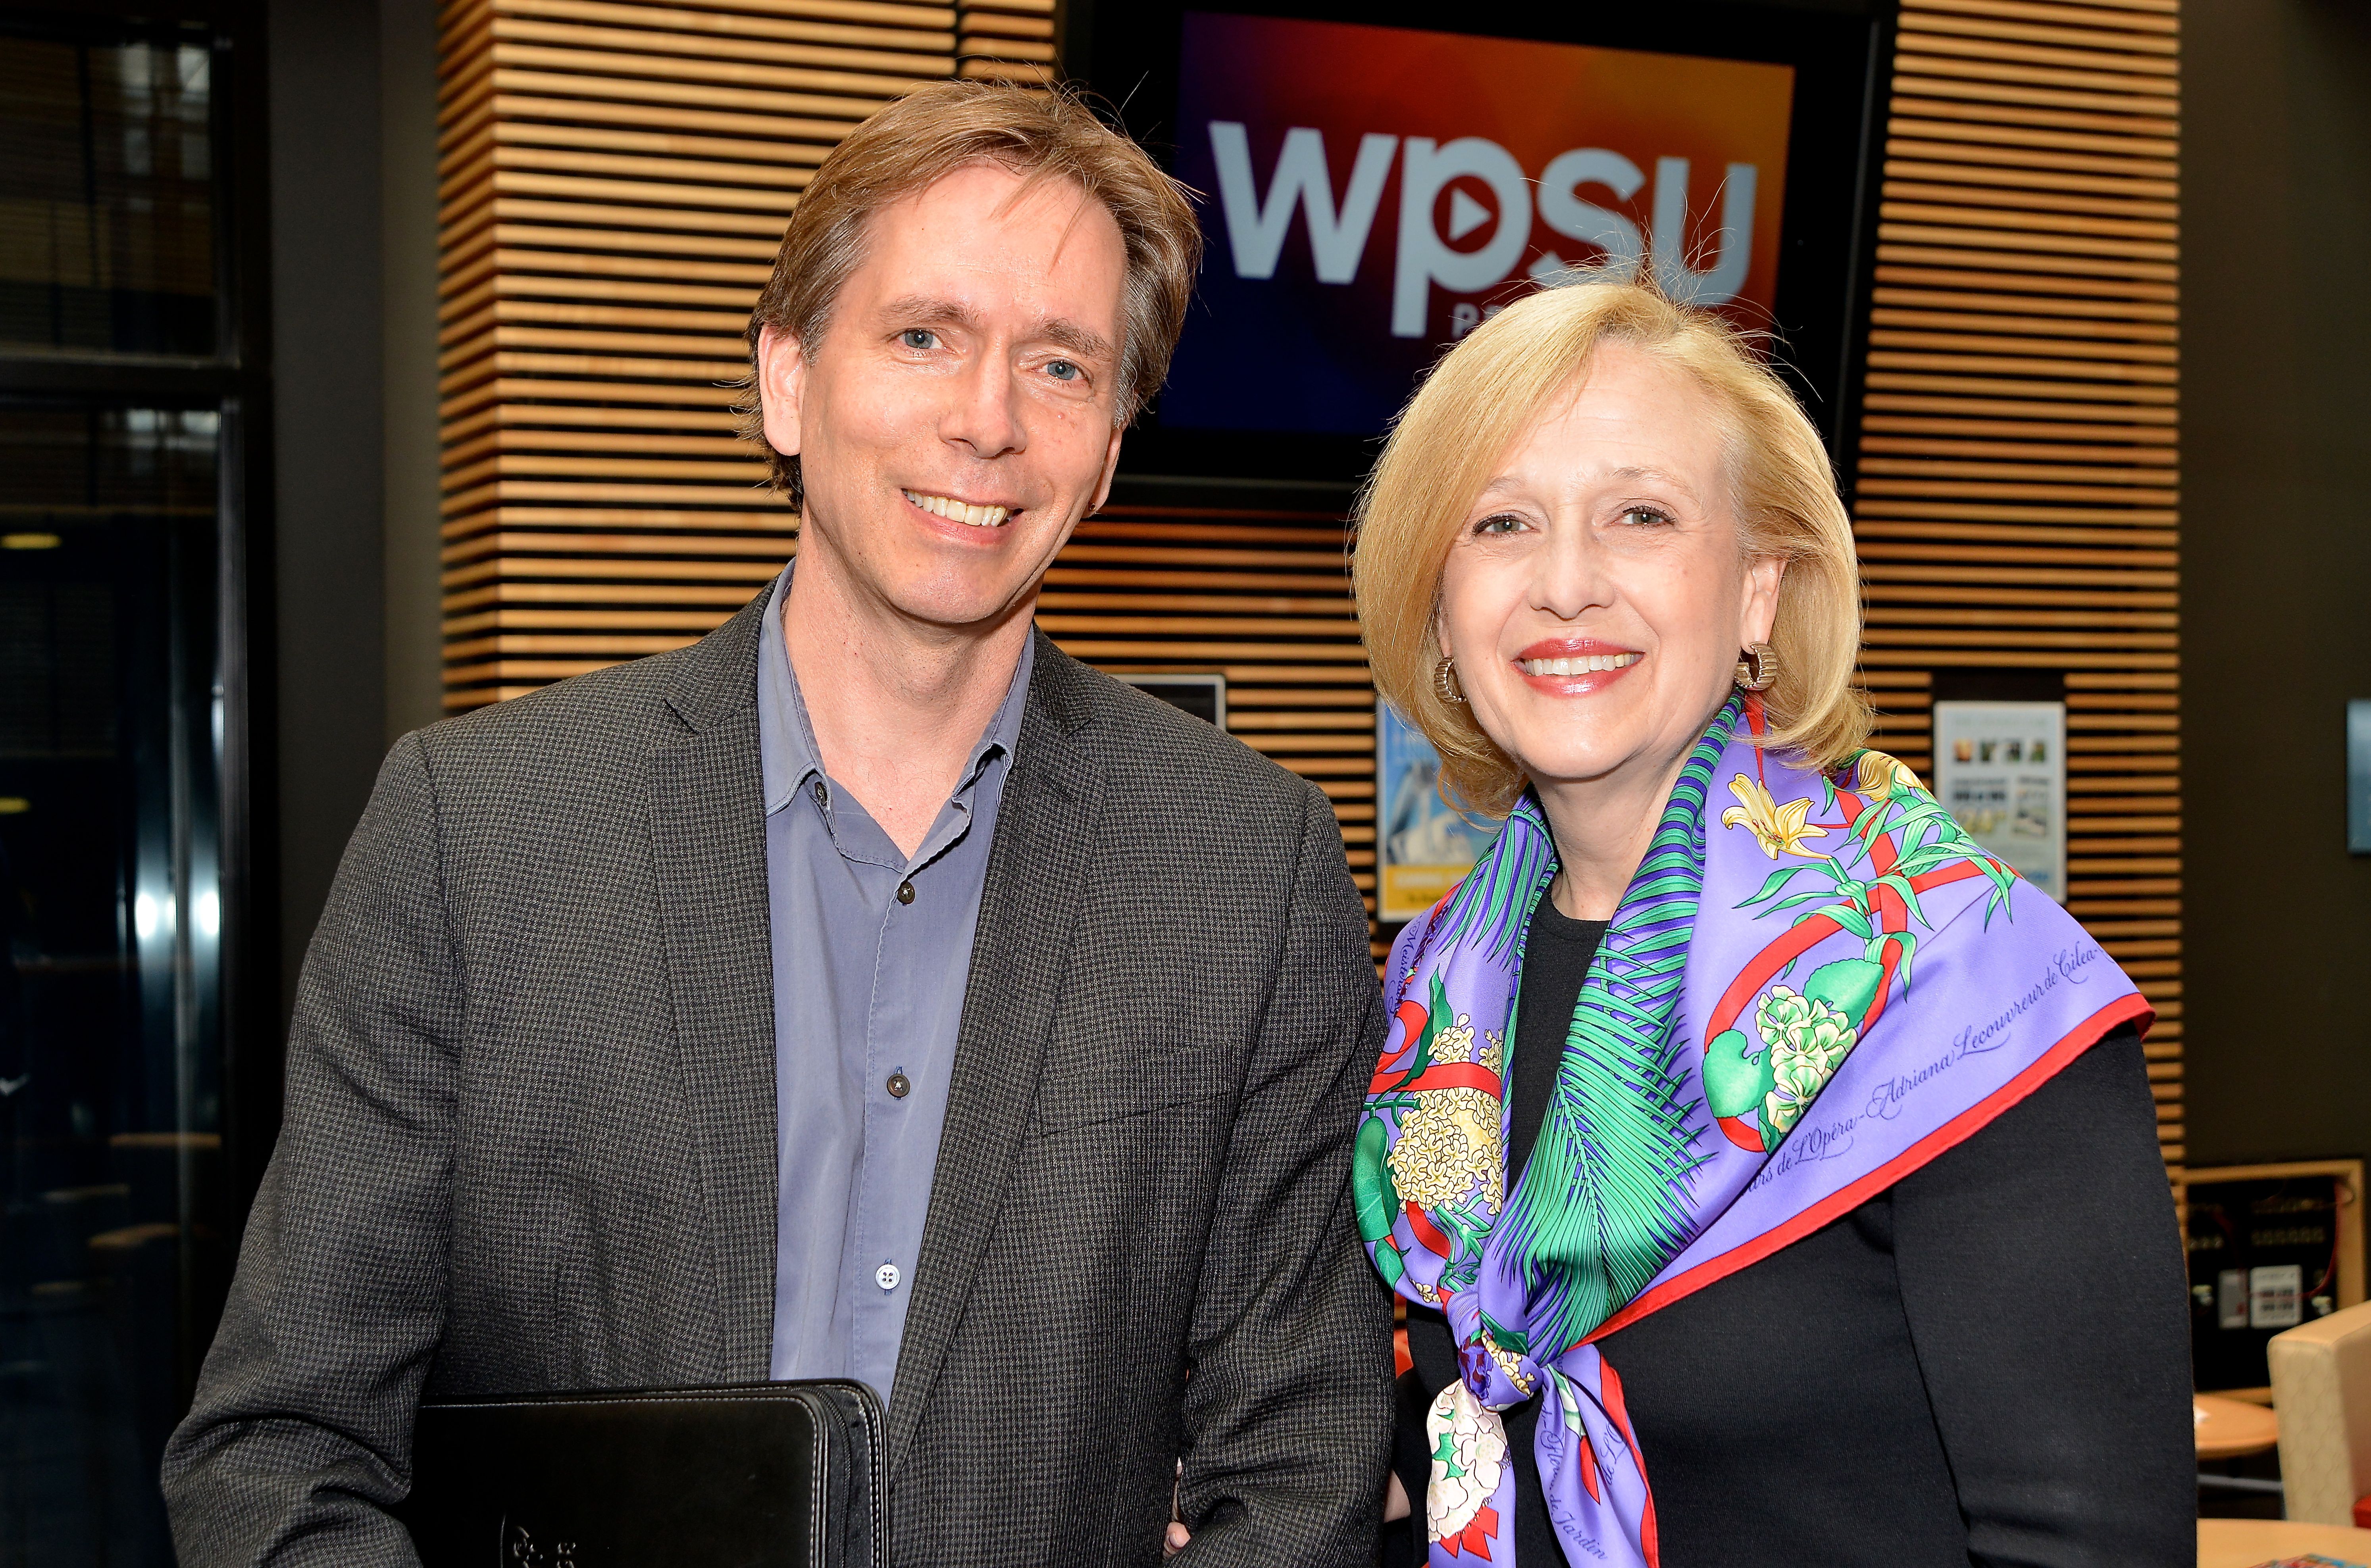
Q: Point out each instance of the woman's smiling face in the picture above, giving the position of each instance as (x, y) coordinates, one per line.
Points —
(1595, 597)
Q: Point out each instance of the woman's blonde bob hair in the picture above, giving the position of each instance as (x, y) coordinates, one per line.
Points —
(1491, 387)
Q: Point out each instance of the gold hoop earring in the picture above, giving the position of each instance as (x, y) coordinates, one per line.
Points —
(1757, 668)
(1445, 682)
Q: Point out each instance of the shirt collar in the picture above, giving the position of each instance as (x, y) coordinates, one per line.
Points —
(786, 736)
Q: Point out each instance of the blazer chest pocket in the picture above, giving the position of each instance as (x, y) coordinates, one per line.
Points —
(1086, 1094)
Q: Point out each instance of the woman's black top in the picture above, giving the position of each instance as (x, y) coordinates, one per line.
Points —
(1988, 1362)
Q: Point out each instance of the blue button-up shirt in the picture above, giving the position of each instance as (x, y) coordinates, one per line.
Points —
(872, 949)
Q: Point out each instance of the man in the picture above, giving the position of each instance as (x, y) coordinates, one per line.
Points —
(868, 990)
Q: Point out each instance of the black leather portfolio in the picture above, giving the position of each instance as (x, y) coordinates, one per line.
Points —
(768, 1475)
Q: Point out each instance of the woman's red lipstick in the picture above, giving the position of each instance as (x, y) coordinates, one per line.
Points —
(1574, 666)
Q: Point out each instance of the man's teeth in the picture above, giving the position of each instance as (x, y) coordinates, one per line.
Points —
(1583, 666)
(960, 512)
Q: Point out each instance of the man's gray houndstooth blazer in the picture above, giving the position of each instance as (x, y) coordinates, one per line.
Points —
(529, 1136)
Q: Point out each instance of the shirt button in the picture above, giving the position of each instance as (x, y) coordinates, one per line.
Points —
(905, 892)
(886, 1277)
(899, 1086)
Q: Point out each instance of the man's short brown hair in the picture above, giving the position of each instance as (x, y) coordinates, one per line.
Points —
(937, 130)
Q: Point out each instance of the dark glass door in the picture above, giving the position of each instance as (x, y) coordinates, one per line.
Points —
(115, 1241)
(123, 719)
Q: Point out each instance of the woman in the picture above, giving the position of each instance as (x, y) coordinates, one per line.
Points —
(1743, 1125)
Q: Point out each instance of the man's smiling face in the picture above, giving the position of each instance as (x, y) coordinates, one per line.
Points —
(961, 412)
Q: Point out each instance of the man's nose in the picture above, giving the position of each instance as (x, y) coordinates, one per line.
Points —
(986, 415)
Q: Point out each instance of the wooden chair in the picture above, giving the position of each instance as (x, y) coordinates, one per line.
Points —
(2322, 1387)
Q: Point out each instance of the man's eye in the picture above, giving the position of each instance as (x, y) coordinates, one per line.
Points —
(920, 340)
(1063, 370)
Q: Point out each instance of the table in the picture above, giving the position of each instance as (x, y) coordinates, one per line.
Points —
(2243, 1543)
(2229, 1429)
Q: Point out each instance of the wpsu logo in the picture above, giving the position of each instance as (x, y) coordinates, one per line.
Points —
(1339, 228)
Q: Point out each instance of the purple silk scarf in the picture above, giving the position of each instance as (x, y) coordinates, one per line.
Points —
(1748, 1059)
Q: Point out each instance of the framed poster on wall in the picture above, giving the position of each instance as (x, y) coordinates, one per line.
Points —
(2000, 768)
(1204, 695)
(1422, 846)
(2358, 777)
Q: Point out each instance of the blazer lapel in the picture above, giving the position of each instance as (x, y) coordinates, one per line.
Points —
(707, 843)
(1036, 869)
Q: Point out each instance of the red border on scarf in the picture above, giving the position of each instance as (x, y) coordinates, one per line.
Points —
(1957, 1130)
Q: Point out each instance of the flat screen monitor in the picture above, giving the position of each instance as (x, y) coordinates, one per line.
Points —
(1372, 191)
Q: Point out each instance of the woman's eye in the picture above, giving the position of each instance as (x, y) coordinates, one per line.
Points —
(1645, 517)
(920, 340)
(1503, 522)
(1063, 370)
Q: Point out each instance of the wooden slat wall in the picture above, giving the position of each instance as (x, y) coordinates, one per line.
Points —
(2017, 482)
(616, 180)
(1006, 40)
(1263, 598)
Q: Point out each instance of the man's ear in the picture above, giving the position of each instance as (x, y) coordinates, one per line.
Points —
(781, 388)
(1110, 467)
